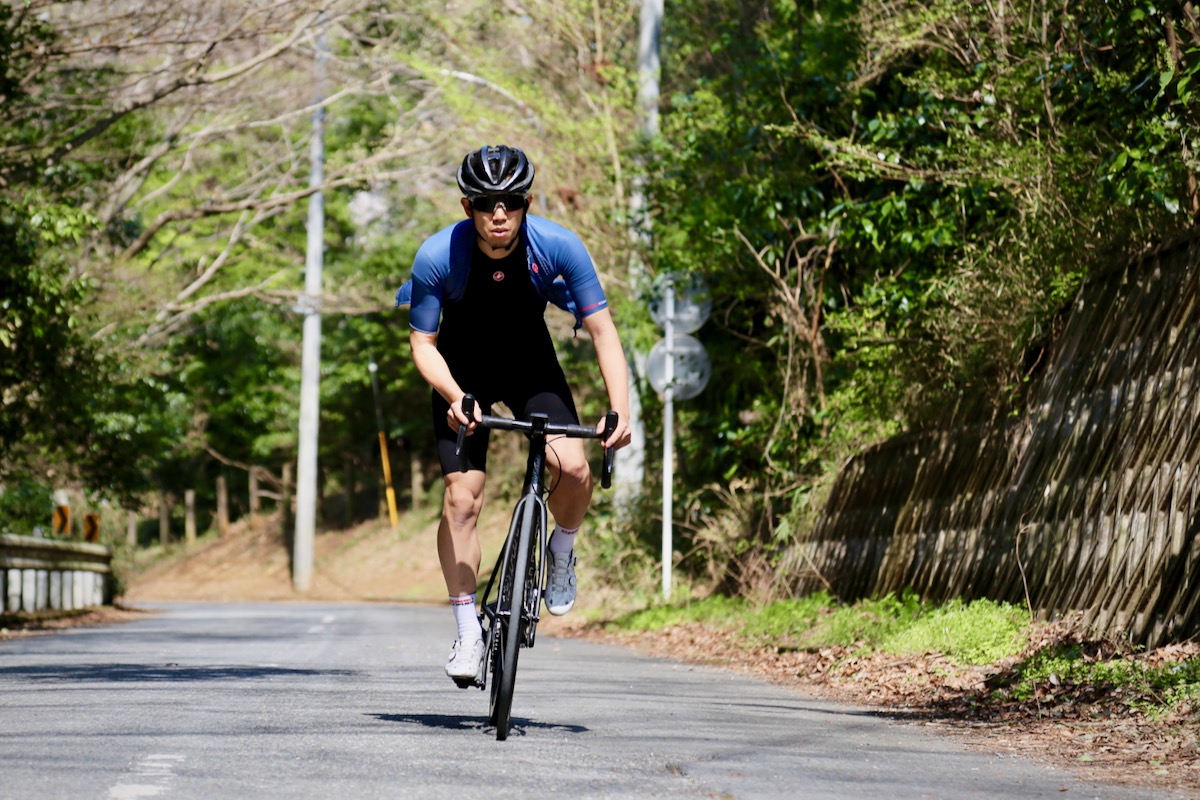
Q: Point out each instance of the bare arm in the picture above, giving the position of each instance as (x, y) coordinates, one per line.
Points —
(613, 368)
(433, 368)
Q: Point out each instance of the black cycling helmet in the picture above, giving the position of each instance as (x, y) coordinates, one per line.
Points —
(495, 170)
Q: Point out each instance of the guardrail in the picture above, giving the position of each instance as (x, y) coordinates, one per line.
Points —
(52, 575)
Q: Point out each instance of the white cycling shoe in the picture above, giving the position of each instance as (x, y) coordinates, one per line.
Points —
(465, 664)
(560, 586)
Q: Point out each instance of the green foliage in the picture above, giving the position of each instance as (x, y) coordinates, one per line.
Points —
(867, 623)
(888, 201)
(39, 335)
(892, 201)
(240, 380)
(1152, 689)
(25, 504)
(979, 632)
(784, 620)
(720, 611)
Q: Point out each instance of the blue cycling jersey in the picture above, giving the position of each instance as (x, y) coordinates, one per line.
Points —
(559, 266)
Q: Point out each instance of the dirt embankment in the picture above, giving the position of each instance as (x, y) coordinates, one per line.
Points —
(371, 562)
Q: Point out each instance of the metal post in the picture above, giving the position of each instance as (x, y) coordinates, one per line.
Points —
(668, 546)
(310, 364)
(373, 368)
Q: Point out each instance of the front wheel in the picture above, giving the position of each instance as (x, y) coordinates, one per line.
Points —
(507, 626)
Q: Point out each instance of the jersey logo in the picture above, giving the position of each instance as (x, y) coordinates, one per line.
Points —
(533, 266)
(497, 276)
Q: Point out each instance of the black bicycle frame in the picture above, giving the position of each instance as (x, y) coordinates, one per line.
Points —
(537, 429)
(516, 611)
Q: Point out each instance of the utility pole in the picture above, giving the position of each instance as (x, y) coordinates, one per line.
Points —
(630, 475)
(649, 65)
(310, 364)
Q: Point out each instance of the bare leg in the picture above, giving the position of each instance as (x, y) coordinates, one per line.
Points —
(568, 502)
(571, 477)
(458, 536)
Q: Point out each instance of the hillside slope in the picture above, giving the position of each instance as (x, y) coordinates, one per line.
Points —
(370, 562)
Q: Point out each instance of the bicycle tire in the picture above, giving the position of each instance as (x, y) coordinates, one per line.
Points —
(509, 626)
(535, 580)
(498, 631)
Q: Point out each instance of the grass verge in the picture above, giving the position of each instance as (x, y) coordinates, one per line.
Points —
(1022, 661)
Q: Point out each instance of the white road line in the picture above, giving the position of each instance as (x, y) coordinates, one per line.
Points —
(151, 777)
(328, 619)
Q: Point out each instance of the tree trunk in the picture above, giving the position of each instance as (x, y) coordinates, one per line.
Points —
(286, 515)
(189, 520)
(351, 477)
(254, 499)
(416, 485)
(164, 519)
(222, 506)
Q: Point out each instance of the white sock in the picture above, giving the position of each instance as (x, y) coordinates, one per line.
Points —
(463, 607)
(563, 539)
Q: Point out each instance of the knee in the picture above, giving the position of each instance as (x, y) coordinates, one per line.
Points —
(575, 472)
(461, 504)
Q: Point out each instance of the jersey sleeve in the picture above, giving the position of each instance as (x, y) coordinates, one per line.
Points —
(579, 273)
(428, 286)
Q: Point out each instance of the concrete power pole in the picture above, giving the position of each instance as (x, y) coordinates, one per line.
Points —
(630, 475)
(649, 65)
(310, 364)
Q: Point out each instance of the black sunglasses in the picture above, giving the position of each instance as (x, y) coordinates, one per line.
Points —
(487, 202)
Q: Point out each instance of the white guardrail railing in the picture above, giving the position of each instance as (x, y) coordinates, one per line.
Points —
(52, 574)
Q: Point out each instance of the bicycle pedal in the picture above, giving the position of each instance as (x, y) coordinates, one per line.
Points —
(466, 683)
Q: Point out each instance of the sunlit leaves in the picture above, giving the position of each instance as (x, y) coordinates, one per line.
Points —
(967, 164)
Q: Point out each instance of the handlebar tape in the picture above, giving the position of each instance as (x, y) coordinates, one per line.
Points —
(468, 407)
(610, 425)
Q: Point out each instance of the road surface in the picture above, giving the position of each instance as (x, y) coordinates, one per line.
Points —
(349, 701)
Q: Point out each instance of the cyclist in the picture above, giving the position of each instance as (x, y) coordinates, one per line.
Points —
(478, 296)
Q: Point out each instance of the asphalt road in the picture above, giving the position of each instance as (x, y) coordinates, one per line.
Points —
(349, 701)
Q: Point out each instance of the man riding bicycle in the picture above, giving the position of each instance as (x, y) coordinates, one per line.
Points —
(478, 296)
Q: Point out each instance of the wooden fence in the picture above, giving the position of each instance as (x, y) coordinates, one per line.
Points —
(1087, 503)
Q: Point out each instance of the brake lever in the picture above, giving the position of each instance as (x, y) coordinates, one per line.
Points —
(610, 425)
(468, 407)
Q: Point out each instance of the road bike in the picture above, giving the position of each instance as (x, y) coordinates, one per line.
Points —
(511, 604)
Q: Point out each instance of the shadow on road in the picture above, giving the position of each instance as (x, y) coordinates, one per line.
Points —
(458, 722)
(148, 673)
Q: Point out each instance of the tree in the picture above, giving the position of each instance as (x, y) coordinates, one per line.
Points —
(177, 136)
(892, 200)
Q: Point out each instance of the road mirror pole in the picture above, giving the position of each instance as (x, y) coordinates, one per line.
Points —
(668, 546)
